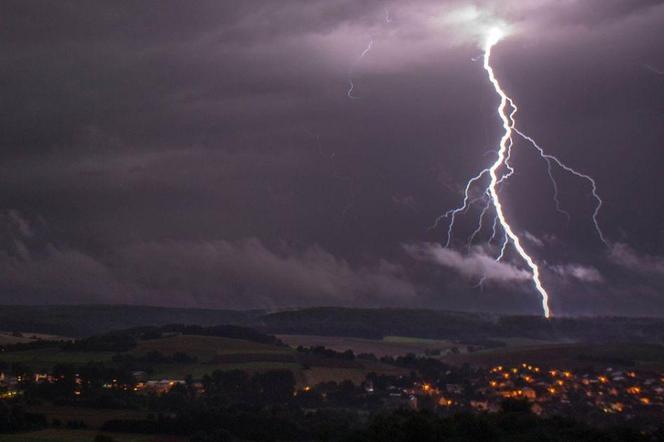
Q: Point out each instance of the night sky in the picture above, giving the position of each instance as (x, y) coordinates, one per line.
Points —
(206, 154)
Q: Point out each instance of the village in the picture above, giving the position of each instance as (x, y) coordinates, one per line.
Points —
(550, 391)
(592, 394)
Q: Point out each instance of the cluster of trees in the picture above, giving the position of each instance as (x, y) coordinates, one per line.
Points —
(13, 417)
(515, 422)
(275, 423)
(125, 340)
(237, 386)
(32, 345)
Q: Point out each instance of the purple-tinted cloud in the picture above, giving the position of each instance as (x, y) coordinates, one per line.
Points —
(578, 272)
(475, 265)
(625, 256)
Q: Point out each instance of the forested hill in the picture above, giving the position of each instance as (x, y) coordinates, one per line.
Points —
(436, 324)
(87, 320)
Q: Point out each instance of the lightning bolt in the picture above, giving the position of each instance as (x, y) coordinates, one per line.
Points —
(549, 159)
(500, 171)
(502, 160)
(351, 71)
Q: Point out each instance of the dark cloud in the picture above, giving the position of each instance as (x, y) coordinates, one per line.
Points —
(246, 273)
(167, 133)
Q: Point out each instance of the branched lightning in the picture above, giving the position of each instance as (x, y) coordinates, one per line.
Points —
(503, 157)
(500, 171)
(388, 16)
(351, 71)
(549, 158)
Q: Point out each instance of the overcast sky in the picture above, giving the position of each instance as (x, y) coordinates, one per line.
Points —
(208, 154)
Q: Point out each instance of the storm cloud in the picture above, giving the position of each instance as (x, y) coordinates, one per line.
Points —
(178, 153)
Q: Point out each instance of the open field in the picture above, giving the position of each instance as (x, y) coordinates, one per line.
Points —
(207, 347)
(317, 375)
(645, 356)
(215, 353)
(303, 377)
(53, 435)
(220, 353)
(7, 338)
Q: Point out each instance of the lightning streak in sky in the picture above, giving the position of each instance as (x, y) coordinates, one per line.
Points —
(503, 152)
(351, 85)
(549, 158)
(500, 171)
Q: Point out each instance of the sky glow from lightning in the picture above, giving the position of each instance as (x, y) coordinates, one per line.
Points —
(500, 171)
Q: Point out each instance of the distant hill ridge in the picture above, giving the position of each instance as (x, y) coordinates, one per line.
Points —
(88, 320)
(437, 324)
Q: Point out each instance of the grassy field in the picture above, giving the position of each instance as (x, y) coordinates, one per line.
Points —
(388, 346)
(7, 338)
(207, 347)
(53, 435)
(647, 356)
(217, 353)
(316, 375)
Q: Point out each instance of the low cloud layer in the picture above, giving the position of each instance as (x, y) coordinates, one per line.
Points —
(625, 256)
(237, 274)
(476, 265)
(247, 273)
(579, 273)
